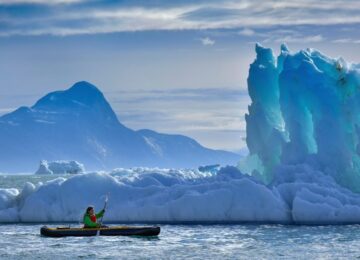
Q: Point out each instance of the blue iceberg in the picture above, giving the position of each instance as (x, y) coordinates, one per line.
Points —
(305, 110)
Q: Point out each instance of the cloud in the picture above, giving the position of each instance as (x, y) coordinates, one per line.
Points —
(246, 32)
(44, 2)
(137, 96)
(213, 116)
(183, 109)
(346, 40)
(61, 16)
(294, 35)
(307, 39)
(207, 41)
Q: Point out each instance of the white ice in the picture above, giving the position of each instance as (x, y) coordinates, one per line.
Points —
(299, 195)
(60, 167)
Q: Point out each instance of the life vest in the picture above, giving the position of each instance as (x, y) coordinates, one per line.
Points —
(93, 218)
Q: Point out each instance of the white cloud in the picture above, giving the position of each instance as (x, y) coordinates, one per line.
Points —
(307, 39)
(290, 36)
(246, 32)
(224, 15)
(193, 112)
(346, 40)
(45, 2)
(207, 41)
(343, 40)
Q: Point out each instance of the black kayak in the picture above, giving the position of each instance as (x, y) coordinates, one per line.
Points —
(104, 231)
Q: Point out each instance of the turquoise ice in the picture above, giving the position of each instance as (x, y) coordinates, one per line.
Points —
(305, 110)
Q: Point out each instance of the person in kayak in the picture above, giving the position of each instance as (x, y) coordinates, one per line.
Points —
(90, 218)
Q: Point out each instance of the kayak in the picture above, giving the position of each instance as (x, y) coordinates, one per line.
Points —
(104, 231)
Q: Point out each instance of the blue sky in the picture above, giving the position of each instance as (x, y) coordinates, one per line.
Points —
(172, 66)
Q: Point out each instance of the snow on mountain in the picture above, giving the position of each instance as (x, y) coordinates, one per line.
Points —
(183, 149)
(79, 124)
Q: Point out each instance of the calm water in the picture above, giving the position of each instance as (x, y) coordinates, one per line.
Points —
(178, 241)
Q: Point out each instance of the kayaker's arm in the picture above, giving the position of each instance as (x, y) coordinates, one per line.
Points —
(100, 214)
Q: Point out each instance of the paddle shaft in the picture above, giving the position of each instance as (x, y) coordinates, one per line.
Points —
(100, 222)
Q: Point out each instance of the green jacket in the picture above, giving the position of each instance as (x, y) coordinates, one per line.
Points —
(89, 223)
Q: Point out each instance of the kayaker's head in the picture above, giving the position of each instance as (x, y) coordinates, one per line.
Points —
(90, 210)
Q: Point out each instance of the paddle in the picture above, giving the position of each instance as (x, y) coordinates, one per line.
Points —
(100, 222)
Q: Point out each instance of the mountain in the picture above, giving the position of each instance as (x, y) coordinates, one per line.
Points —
(79, 124)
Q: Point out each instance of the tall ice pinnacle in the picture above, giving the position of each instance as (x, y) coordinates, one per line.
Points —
(305, 110)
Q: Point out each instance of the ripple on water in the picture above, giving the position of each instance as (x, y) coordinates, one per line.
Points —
(178, 241)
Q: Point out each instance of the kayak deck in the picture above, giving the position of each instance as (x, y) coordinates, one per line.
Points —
(104, 231)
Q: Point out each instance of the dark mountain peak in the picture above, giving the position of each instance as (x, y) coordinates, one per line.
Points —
(81, 95)
(84, 89)
(83, 100)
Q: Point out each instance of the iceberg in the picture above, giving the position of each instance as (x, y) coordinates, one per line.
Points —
(303, 136)
(300, 195)
(304, 110)
(167, 196)
(209, 168)
(60, 167)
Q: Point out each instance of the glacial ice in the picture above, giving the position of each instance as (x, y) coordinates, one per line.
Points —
(299, 195)
(303, 135)
(143, 196)
(60, 167)
(305, 109)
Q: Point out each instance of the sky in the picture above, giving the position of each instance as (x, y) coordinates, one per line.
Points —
(175, 66)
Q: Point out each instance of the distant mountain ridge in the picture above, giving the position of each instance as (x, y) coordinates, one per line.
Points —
(79, 124)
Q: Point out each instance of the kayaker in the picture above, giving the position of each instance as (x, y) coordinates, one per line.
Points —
(90, 218)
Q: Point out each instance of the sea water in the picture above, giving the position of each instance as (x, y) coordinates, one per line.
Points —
(23, 241)
(190, 241)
